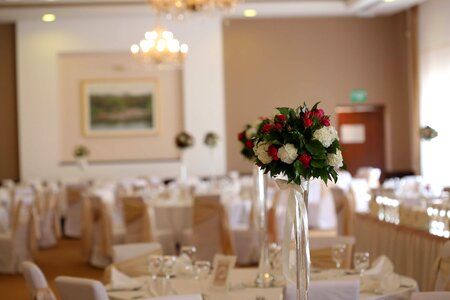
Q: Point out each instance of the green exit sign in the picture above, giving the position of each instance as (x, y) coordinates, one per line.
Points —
(358, 95)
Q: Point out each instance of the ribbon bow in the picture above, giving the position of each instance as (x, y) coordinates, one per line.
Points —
(297, 221)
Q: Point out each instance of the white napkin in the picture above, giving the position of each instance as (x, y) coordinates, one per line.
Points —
(380, 278)
(121, 281)
(183, 265)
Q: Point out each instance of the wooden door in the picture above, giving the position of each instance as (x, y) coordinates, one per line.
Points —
(361, 132)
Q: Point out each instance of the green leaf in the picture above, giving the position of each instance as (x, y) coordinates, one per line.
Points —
(284, 110)
(315, 106)
(315, 147)
(316, 163)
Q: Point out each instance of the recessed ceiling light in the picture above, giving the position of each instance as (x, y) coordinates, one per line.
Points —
(48, 18)
(250, 13)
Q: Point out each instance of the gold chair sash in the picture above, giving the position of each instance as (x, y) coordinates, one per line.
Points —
(207, 207)
(136, 266)
(34, 230)
(441, 274)
(74, 194)
(136, 210)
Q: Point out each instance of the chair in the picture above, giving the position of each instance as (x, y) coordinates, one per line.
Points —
(211, 232)
(345, 208)
(430, 296)
(73, 288)
(327, 290)
(49, 217)
(321, 250)
(74, 196)
(137, 220)
(370, 174)
(128, 251)
(36, 282)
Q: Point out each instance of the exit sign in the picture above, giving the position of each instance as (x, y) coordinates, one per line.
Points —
(358, 95)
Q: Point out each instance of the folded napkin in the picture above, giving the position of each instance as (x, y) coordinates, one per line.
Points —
(380, 278)
(120, 281)
(183, 266)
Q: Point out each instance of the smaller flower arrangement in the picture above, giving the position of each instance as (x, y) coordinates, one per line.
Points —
(299, 143)
(427, 133)
(211, 139)
(247, 137)
(184, 140)
(81, 151)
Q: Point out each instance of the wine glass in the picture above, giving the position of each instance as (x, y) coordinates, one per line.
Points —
(189, 251)
(168, 265)
(202, 268)
(361, 261)
(338, 254)
(154, 265)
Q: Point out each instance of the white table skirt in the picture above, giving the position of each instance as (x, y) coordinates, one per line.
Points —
(241, 279)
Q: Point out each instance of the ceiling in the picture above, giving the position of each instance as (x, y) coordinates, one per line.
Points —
(13, 10)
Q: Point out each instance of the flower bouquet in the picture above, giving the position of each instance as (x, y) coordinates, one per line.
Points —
(183, 140)
(80, 153)
(246, 137)
(427, 133)
(299, 144)
(211, 139)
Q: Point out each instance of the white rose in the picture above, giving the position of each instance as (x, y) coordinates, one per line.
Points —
(287, 153)
(260, 150)
(326, 136)
(335, 160)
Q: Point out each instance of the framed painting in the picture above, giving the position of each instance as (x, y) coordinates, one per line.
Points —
(118, 107)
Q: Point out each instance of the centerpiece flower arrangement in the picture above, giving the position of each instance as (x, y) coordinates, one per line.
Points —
(81, 153)
(247, 137)
(183, 141)
(427, 133)
(211, 139)
(299, 144)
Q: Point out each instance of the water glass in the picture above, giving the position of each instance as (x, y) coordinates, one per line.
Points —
(275, 257)
(338, 252)
(361, 262)
(154, 265)
(202, 268)
(168, 265)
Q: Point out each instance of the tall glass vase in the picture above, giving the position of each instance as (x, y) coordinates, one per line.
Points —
(302, 256)
(264, 278)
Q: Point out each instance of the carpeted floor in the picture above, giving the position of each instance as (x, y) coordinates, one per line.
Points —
(65, 259)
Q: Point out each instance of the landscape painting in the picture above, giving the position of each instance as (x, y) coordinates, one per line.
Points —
(119, 107)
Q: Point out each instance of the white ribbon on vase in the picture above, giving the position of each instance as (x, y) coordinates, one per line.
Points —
(297, 220)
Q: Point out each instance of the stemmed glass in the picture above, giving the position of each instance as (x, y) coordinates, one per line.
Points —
(168, 265)
(202, 268)
(189, 251)
(361, 262)
(338, 254)
(154, 265)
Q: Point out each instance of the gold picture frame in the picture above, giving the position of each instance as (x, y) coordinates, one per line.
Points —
(120, 107)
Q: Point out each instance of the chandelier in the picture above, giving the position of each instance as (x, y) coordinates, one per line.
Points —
(159, 47)
(178, 8)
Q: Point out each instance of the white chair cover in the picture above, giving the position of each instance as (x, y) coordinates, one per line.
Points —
(321, 209)
(72, 288)
(128, 251)
(36, 282)
(327, 290)
(441, 271)
(430, 296)
(49, 217)
(73, 197)
(371, 175)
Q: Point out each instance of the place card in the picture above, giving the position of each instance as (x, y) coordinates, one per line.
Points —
(221, 273)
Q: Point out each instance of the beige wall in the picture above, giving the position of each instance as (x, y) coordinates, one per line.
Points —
(9, 153)
(284, 62)
(76, 68)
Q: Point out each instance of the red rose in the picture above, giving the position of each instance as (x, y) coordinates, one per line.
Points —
(281, 118)
(319, 113)
(273, 151)
(305, 159)
(249, 144)
(325, 121)
(241, 135)
(267, 127)
(308, 114)
(278, 126)
(307, 122)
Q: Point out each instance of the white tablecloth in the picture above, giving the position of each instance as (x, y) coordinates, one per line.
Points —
(242, 279)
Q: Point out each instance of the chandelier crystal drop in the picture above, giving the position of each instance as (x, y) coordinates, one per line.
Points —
(159, 47)
(179, 8)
